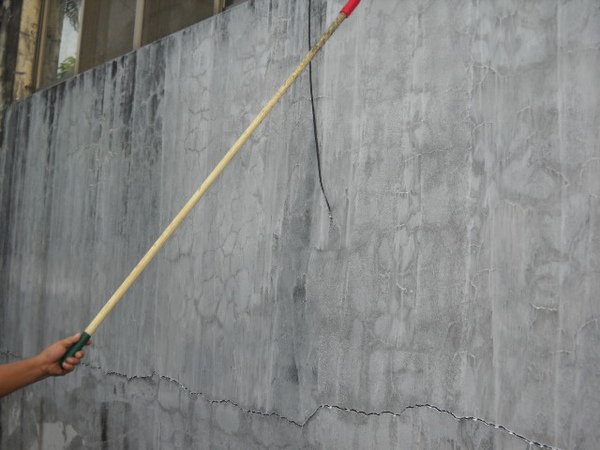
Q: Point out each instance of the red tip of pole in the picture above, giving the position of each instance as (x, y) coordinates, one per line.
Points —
(350, 6)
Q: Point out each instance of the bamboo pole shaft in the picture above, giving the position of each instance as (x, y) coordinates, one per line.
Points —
(209, 181)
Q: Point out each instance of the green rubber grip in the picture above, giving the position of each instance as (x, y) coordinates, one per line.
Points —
(83, 339)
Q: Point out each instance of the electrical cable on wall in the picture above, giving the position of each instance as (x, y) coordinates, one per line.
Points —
(314, 118)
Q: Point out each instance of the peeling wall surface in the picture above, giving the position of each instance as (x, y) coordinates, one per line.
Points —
(453, 301)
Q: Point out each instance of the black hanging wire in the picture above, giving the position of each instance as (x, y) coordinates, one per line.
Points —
(314, 116)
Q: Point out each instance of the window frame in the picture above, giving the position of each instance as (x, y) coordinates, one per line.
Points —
(31, 57)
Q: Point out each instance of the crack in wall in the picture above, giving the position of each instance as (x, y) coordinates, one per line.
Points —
(311, 416)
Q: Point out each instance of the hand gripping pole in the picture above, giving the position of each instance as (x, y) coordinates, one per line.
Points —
(208, 182)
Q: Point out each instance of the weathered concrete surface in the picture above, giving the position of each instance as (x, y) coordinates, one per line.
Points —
(461, 154)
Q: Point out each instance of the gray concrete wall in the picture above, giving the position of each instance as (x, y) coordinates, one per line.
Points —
(452, 303)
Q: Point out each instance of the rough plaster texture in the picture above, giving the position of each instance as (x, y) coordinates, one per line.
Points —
(461, 154)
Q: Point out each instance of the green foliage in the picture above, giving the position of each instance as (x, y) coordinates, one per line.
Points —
(67, 67)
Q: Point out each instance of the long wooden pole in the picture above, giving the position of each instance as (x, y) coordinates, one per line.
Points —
(208, 182)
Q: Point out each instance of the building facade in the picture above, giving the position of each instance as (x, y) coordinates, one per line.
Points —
(451, 301)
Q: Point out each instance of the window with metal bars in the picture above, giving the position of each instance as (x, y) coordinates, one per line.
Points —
(60, 38)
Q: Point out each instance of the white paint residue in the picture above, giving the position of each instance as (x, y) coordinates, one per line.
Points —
(55, 436)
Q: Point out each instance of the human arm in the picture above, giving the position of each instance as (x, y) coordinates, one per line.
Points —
(22, 373)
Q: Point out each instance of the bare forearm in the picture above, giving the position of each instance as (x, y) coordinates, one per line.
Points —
(48, 363)
(19, 374)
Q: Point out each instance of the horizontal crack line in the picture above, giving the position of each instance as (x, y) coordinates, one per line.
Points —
(312, 415)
